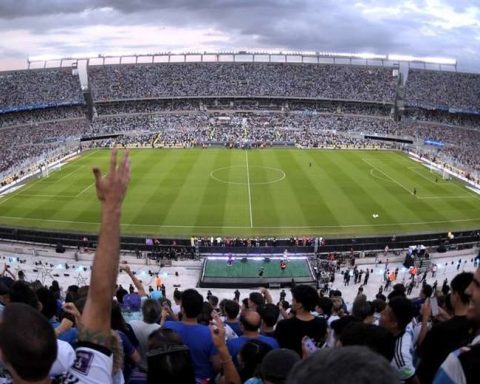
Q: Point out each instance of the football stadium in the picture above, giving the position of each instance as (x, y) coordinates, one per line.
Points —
(314, 172)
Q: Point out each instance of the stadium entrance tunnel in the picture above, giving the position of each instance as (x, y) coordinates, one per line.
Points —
(248, 175)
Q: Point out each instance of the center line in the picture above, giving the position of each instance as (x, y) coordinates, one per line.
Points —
(249, 192)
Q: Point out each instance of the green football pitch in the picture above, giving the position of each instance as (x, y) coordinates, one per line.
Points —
(218, 268)
(267, 192)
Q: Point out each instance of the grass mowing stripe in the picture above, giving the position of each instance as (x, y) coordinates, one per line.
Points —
(249, 190)
(165, 196)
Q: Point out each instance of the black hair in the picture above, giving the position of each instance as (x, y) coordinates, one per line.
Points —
(269, 314)
(151, 311)
(306, 295)
(345, 365)
(192, 303)
(257, 298)
(427, 290)
(326, 304)
(378, 339)
(460, 283)
(213, 300)
(403, 310)
(27, 341)
(232, 308)
(251, 355)
(49, 303)
(20, 292)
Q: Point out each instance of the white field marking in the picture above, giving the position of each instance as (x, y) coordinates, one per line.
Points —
(446, 183)
(65, 176)
(87, 187)
(60, 196)
(212, 175)
(414, 169)
(249, 191)
(45, 180)
(84, 190)
(391, 178)
(447, 197)
(246, 227)
(21, 190)
(426, 197)
(378, 177)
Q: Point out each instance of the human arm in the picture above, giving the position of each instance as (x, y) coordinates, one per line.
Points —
(64, 326)
(230, 373)
(111, 189)
(6, 271)
(266, 294)
(426, 311)
(138, 285)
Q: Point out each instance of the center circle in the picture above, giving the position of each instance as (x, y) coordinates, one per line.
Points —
(243, 175)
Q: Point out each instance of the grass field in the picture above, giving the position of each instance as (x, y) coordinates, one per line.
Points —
(219, 268)
(249, 193)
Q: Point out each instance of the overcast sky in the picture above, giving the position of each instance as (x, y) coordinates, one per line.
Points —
(441, 28)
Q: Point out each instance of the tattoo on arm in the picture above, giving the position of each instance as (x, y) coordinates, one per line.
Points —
(95, 337)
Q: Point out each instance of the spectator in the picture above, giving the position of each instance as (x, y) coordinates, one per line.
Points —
(232, 310)
(250, 324)
(197, 337)
(447, 336)
(290, 332)
(344, 365)
(269, 315)
(395, 318)
(461, 366)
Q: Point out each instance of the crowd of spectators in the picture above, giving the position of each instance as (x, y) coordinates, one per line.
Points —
(111, 82)
(81, 335)
(442, 117)
(23, 145)
(41, 115)
(447, 90)
(240, 105)
(32, 89)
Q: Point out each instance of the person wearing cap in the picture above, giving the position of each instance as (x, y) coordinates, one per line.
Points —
(395, 318)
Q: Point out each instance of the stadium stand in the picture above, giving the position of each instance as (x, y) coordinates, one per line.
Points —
(113, 82)
(145, 335)
(450, 91)
(40, 88)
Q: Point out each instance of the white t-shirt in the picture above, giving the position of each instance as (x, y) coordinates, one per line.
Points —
(65, 358)
(90, 367)
(142, 330)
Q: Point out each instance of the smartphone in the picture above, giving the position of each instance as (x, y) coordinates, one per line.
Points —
(434, 306)
(309, 344)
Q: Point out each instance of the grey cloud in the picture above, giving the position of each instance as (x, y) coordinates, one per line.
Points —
(333, 25)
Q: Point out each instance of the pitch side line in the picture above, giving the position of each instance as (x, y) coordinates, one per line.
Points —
(249, 191)
(246, 227)
(391, 178)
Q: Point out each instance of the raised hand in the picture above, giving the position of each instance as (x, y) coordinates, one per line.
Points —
(112, 187)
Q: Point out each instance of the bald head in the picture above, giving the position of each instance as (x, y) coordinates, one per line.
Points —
(250, 320)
